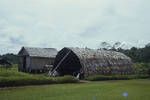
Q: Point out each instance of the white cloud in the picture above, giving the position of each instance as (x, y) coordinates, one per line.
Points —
(59, 23)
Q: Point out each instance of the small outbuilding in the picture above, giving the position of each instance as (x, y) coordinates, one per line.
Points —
(35, 59)
(85, 61)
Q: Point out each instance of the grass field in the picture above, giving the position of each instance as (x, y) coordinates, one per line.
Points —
(11, 77)
(104, 90)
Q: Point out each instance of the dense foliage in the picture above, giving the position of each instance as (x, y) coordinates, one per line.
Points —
(141, 68)
(10, 57)
(137, 54)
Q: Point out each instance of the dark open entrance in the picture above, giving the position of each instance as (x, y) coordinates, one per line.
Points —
(24, 62)
(70, 65)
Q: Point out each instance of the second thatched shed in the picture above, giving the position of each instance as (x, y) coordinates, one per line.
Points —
(72, 61)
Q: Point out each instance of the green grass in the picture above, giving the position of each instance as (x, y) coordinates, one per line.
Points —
(11, 77)
(104, 90)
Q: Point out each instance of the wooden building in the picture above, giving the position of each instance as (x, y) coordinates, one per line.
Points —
(35, 59)
(72, 61)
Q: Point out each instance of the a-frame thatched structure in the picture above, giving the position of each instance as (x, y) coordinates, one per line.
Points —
(87, 61)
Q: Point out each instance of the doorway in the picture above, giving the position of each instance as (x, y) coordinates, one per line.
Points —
(24, 62)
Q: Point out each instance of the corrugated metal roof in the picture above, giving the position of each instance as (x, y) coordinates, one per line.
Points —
(41, 52)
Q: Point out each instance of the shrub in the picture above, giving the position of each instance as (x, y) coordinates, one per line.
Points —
(66, 79)
(115, 77)
(141, 68)
(34, 80)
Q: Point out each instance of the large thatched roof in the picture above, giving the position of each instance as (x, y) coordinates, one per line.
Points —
(104, 57)
(90, 61)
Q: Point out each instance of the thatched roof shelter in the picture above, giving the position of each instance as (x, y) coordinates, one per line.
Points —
(89, 61)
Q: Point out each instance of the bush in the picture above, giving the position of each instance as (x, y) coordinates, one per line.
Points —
(34, 80)
(20, 81)
(115, 77)
(142, 68)
(66, 79)
(104, 77)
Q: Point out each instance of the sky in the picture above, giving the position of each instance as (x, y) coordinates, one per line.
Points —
(72, 23)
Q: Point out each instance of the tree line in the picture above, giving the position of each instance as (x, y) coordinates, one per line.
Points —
(135, 53)
(141, 55)
(13, 58)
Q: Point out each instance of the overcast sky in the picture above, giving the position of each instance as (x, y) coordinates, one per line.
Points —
(73, 23)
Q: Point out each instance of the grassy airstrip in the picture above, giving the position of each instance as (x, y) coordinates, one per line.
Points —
(103, 90)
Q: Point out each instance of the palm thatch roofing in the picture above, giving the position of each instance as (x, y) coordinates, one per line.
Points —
(38, 52)
(90, 61)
